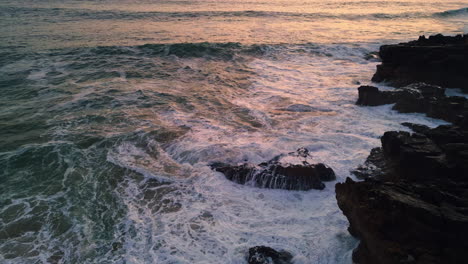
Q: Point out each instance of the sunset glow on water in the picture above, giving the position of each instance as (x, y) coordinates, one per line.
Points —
(53, 24)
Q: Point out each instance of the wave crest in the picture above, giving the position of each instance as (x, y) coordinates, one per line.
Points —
(453, 13)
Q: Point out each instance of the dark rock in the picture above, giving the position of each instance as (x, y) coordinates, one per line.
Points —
(422, 129)
(324, 172)
(279, 174)
(267, 255)
(427, 90)
(301, 152)
(447, 134)
(371, 96)
(440, 60)
(406, 222)
(440, 39)
(419, 98)
(375, 166)
(414, 156)
(413, 205)
(406, 156)
(413, 93)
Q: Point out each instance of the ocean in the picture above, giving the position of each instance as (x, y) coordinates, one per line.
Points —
(111, 112)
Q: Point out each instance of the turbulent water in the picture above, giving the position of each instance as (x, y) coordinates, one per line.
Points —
(110, 112)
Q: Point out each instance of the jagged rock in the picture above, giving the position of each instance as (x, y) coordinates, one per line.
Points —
(419, 98)
(413, 205)
(448, 134)
(405, 155)
(429, 154)
(410, 157)
(406, 222)
(415, 92)
(279, 173)
(440, 60)
(371, 96)
(414, 156)
(418, 128)
(375, 165)
(267, 255)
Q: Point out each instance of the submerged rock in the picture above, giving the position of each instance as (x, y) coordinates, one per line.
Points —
(267, 255)
(413, 205)
(280, 173)
(302, 108)
(440, 60)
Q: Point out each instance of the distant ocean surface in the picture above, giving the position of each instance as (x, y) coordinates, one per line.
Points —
(110, 112)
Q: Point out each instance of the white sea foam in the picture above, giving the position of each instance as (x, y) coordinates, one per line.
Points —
(219, 220)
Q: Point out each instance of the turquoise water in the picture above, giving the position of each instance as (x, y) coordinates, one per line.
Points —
(110, 112)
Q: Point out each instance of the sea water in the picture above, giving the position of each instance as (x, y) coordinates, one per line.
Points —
(111, 111)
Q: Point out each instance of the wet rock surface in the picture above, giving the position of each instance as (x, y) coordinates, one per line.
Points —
(375, 166)
(267, 255)
(406, 222)
(423, 155)
(418, 98)
(372, 96)
(412, 206)
(290, 172)
(440, 60)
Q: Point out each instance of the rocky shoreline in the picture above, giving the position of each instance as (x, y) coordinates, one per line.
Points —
(439, 60)
(419, 98)
(412, 203)
(412, 206)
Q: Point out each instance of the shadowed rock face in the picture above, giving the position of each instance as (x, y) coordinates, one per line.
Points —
(278, 173)
(418, 98)
(267, 255)
(412, 206)
(406, 222)
(371, 96)
(437, 60)
(375, 166)
(416, 209)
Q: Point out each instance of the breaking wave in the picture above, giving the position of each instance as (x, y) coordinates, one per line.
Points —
(453, 13)
(68, 14)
